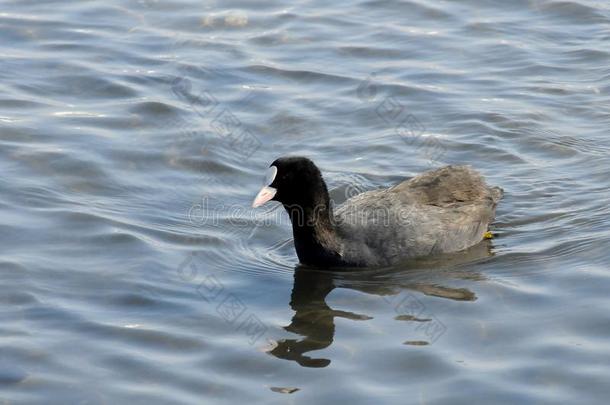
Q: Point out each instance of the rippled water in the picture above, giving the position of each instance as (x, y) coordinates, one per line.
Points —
(133, 137)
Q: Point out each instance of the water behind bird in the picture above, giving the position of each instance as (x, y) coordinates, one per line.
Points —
(121, 120)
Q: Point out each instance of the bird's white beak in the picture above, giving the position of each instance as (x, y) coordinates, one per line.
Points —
(266, 194)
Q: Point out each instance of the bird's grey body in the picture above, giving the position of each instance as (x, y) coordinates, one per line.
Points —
(440, 211)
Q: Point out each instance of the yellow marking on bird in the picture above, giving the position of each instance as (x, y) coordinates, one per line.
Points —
(488, 235)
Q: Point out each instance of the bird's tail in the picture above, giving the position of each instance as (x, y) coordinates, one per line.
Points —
(496, 194)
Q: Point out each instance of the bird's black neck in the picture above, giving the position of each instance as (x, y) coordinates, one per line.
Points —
(315, 238)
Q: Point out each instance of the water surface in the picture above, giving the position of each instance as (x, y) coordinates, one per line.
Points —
(134, 135)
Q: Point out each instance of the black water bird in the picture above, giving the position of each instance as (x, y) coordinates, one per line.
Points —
(440, 211)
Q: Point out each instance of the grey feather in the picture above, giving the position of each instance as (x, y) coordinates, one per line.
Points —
(440, 211)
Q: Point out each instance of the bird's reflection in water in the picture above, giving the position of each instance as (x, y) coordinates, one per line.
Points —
(314, 320)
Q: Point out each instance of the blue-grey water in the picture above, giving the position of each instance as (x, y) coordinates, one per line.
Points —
(135, 133)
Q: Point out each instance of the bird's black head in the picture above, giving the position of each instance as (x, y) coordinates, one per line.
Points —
(295, 182)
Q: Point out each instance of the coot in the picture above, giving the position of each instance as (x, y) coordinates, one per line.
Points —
(439, 211)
